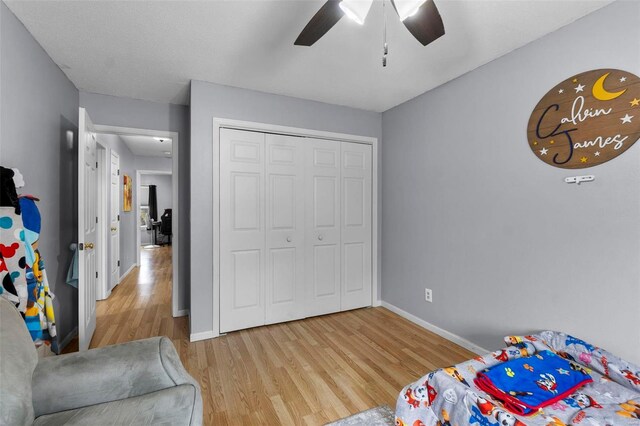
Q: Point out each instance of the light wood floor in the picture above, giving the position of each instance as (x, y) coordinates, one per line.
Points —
(306, 372)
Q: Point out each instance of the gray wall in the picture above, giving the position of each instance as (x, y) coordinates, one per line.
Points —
(505, 244)
(125, 112)
(127, 219)
(39, 105)
(164, 196)
(211, 100)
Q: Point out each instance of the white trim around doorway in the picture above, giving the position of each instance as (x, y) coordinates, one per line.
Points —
(139, 174)
(104, 186)
(175, 308)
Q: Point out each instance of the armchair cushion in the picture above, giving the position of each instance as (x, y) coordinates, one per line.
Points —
(172, 406)
(113, 373)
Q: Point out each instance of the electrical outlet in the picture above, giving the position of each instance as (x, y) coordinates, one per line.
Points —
(428, 295)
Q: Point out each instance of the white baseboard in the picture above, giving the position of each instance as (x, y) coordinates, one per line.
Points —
(106, 296)
(204, 335)
(68, 338)
(377, 303)
(127, 272)
(437, 330)
(181, 313)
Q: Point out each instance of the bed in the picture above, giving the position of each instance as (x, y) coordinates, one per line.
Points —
(449, 396)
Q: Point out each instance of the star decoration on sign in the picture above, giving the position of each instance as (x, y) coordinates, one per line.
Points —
(579, 88)
(626, 119)
(583, 160)
(561, 91)
(575, 80)
(544, 151)
(635, 102)
(597, 154)
(623, 79)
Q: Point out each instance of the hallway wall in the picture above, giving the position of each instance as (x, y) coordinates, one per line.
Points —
(128, 220)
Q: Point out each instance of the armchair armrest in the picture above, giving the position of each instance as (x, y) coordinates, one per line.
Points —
(108, 374)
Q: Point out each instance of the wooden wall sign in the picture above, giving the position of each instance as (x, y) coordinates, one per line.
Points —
(587, 119)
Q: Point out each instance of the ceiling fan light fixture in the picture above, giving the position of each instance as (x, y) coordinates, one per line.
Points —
(407, 8)
(356, 10)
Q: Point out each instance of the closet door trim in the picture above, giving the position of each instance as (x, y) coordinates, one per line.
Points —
(219, 123)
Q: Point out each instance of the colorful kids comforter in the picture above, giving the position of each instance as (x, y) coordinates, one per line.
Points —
(449, 396)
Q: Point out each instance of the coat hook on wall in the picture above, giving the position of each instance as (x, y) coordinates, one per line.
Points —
(579, 179)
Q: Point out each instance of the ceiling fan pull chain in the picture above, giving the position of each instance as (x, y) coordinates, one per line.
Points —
(385, 47)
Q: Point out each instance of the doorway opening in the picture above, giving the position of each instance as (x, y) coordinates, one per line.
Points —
(128, 162)
(155, 157)
(155, 209)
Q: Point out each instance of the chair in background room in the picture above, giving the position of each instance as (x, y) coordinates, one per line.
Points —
(165, 227)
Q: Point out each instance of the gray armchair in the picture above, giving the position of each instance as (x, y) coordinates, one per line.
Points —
(135, 383)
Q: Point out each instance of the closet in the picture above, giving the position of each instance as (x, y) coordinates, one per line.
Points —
(295, 227)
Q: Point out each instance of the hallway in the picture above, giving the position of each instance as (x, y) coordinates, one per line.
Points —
(140, 306)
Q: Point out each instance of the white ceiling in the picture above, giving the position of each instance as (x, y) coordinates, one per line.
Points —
(147, 146)
(152, 49)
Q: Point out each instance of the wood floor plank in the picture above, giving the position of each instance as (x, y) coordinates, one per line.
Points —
(306, 372)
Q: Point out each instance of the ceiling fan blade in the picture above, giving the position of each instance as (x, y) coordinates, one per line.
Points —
(426, 25)
(324, 19)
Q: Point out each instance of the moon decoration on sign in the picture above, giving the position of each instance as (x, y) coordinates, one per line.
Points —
(600, 93)
(587, 119)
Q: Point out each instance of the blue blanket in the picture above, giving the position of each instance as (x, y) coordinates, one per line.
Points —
(524, 385)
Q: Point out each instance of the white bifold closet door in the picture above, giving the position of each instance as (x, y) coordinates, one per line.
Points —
(242, 230)
(285, 294)
(323, 226)
(295, 228)
(356, 207)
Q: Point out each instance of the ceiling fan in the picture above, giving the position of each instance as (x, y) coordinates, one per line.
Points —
(421, 18)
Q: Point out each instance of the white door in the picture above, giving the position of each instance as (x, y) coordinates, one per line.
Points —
(284, 195)
(114, 221)
(322, 240)
(242, 229)
(356, 226)
(87, 229)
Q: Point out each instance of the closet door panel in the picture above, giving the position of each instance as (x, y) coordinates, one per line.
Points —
(242, 230)
(285, 290)
(326, 270)
(323, 226)
(356, 226)
(246, 271)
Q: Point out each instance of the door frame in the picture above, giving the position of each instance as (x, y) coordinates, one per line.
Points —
(139, 173)
(111, 285)
(104, 187)
(219, 123)
(175, 183)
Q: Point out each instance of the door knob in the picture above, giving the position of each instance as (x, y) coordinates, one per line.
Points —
(320, 237)
(88, 246)
(288, 239)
